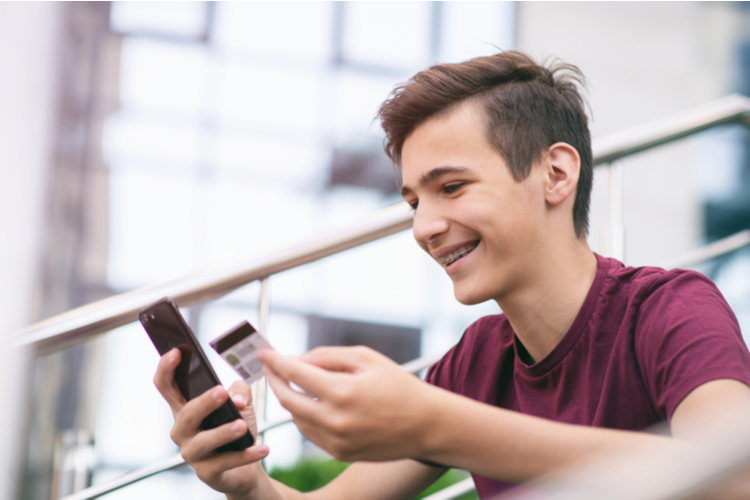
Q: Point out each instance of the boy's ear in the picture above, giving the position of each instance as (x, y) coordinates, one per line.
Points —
(562, 167)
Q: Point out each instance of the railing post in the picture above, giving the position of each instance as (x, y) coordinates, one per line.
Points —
(613, 236)
(74, 464)
(260, 388)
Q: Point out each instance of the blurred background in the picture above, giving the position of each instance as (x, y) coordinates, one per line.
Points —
(143, 141)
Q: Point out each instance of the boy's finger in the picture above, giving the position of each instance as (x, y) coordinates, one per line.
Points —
(164, 380)
(213, 467)
(241, 394)
(343, 359)
(205, 443)
(300, 405)
(187, 423)
(310, 378)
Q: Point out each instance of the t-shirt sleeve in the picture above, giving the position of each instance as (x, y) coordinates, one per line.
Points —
(447, 371)
(686, 335)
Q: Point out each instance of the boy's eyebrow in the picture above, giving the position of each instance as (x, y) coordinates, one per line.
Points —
(432, 175)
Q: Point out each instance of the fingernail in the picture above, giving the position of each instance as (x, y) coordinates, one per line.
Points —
(173, 353)
(262, 450)
(237, 427)
(239, 400)
(218, 394)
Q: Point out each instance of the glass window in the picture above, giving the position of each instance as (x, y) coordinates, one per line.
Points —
(296, 31)
(186, 19)
(282, 100)
(159, 140)
(357, 98)
(471, 29)
(163, 76)
(152, 233)
(387, 34)
(252, 219)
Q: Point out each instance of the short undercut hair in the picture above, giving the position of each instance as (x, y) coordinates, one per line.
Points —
(528, 107)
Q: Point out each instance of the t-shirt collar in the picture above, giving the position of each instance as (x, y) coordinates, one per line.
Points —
(576, 329)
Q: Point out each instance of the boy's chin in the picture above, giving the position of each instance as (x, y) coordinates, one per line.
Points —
(469, 297)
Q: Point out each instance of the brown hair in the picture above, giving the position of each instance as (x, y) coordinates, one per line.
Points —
(529, 107)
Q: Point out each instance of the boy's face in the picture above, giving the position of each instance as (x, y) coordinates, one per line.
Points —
(471, 216)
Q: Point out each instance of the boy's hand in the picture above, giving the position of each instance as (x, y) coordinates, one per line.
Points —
(362, 405)
(234, 473)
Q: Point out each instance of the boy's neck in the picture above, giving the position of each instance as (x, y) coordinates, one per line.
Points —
(542, 311)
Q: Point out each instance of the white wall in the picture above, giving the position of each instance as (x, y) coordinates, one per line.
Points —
(29, 34)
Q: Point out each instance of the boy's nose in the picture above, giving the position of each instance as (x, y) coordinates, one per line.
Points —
(428, 226)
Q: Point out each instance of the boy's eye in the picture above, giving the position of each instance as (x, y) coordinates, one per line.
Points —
(452, 188)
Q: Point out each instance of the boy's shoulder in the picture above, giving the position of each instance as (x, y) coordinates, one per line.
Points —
(615, 279)
(654, 286)
(644, 276)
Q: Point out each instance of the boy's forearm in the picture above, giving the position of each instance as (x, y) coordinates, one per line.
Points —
(267, 488)
(509, 446)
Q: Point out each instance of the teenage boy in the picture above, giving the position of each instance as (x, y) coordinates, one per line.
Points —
(496, 162)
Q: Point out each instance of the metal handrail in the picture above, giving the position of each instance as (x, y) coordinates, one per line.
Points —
(730, 109)
(82, 323)
(710, 251)
(414, 366)
(453, 491)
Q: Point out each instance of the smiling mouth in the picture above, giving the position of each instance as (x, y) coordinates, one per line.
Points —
(461, 252)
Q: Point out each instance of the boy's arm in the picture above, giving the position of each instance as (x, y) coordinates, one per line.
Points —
(367, 408)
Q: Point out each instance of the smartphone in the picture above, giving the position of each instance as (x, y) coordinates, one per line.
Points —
(194, 375)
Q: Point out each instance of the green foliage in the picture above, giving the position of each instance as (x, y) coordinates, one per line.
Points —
(447, 479)
(309, 475)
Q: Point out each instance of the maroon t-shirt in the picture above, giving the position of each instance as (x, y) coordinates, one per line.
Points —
(643, 339)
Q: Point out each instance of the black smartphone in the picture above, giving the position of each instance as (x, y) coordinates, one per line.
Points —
(194, 375)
